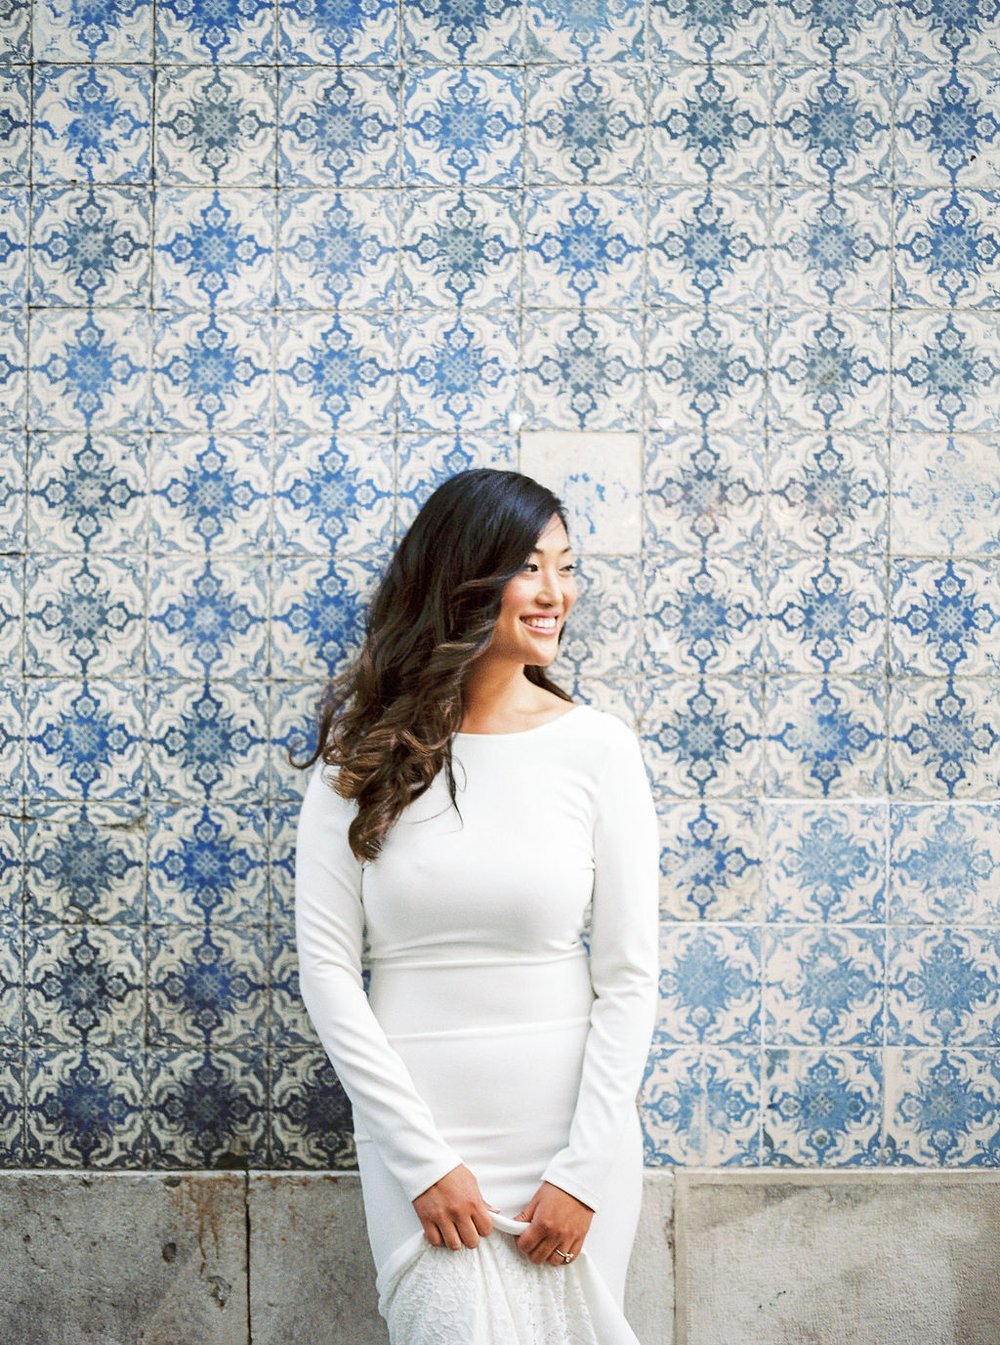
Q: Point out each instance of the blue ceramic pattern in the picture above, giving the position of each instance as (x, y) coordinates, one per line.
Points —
(269, 275)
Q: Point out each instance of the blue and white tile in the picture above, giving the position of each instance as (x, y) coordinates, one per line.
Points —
(332, 494)
(581, 370)
(207, 863)
(92, 123)
(207, 617)
(68, 30)
(15, 125)
(826, 862)
(824, 985)
(84, 1108)
(83, 615)
(598, 478)
(11, 612)
(214, 248)
(942, 1107)
(207, 1109)
(13, 247)
(829, 371)
(337, 249)
(318, 607)
(15, 36)
(90, 245)
(705, 369)
(13, 370)
(291, 1026)
(207, 986)
(282, 829)
(211, 371)
(708, 245)
(946, 372)
(709, 125)
(425, 461)
(947, 248)
(83, 986)
(89, 370)
(209, 492)
(709, 985)
(215, 126)
(823, 1108)
(830, 247)
(338, 128)
(945, 737)
(12, 491)
(311, 33)
(704, 491)
(86, 493)
(84, 740)
(832, 126)
(189, 33)
(457, 370)
(335, 371)
(12, 855)
(462, 126)
(483, 32)
(601, 635)
(207, 741)
(733, 34)
(945, 863)
(828, 492)
(584, 124)
(702, 614)
(459, 247)
(944, 617)
(294, 720)
(946, 492)
(947, 127)
(811, 34)
(12, 768)
(826, 736)
(943, 987)
(11, 1106)
(11, 986)
(85, 864)
(711, 861)
(583, 246)
(825, 615)
(937, 35)
(309, 1112)
(702, 736)
(566, 33)
(700, 1107)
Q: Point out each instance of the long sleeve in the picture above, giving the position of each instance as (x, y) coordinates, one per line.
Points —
(329, 929)
(624, 972)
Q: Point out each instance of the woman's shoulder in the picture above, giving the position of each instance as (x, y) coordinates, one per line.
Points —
(601, 728)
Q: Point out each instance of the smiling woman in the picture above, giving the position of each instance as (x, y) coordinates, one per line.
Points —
(473, 819)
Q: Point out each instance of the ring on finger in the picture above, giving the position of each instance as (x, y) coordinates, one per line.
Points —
(566, 1256)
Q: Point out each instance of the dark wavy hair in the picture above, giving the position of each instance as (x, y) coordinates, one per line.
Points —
(387, 721)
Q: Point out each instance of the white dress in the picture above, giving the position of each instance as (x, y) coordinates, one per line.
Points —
(490, 1036)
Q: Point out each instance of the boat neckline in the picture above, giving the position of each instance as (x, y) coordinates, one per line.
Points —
(523, 733)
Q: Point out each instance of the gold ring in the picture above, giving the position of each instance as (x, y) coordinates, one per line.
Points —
(566, 1256)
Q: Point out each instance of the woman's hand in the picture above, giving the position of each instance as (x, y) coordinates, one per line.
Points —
(558, 1220)
(453, 1211)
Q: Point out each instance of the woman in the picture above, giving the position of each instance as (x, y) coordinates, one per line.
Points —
(472, 818)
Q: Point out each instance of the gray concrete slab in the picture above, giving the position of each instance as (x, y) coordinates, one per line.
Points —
(649, 1289)
(122, 1258)
(838, 1258)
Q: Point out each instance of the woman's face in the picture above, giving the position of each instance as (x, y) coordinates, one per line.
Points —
(537, 601)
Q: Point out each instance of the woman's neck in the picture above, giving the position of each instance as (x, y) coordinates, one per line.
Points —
(500, 699)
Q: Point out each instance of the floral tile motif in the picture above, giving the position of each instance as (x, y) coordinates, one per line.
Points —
(193, 33)
(826, 736)
(318, 608)
(15, 38)
(90, 246)
(946, 492)
(947, 127)
(711, 862)
(823, 985)
(11, 1106)
(583, 125)
(13, 371)
(581, 370)
(337, 128)
(207, 986)
(832, 126)
(207, 1109)
(598, 478)
(458, 247)
(89, 370)
(462, 126)
(825, 615)
(11, 988)
(944, 616)
(424, 461)
(943, 987)
(12, 477)
(456, 369)
(556, 31)
(334, 371)
(83, 616)
(822, 1108)
(704, 491)
(942, 1107)
(337, 249)
(83, 986)
(946, 374)
(709, 125)
(84, 864)
(810, 34)
(600, 638)
(736, 34)
(583, 247)
(311, 32)
(75, 30)
(702, 615)
(92, 123)
(709, 985)
(703, 736)
(443, 30)
(15, 125)
(211, 372)
(291, 1027)
(209, 492)
(282, 820)
(310, 1114)
(706, 371)
(830, 248)
(13, 247)
(207, 863)
(12, 769)
(11, 875)
(213, 249)
(947, 249)
(945, 737)
(945, 863)
(84, 740)
(707, 245)
(295, 710)
(828, 492)
(830, 372)
(206, 618)
(826, 862)
(85, 1108)
(86, 492)
(11, 612)
(215, 125)
(332, 493)
(207, 741)
(701, 1106)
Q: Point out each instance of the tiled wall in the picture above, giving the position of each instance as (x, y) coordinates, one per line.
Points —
(725, 274)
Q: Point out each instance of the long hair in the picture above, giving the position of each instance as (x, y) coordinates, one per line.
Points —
(387, 721)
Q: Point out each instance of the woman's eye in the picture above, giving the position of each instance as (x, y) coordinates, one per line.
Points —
(570, 567)
(529, 565)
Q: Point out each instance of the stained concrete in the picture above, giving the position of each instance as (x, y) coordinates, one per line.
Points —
(836, 1258)
(123, 1259)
